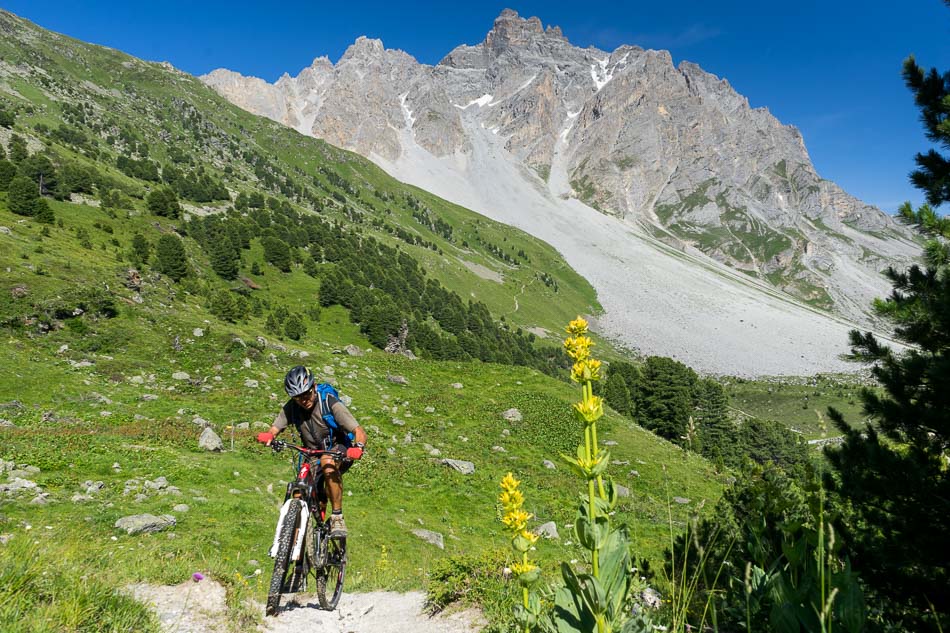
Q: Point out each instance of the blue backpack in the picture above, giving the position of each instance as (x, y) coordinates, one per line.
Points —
(325, 389)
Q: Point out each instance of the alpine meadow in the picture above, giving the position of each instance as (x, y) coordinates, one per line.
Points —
(547, 282)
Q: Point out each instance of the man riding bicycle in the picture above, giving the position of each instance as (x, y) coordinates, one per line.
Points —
(306, 411)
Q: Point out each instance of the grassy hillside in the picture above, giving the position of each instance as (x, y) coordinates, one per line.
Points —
(94, 399)
(93, 385)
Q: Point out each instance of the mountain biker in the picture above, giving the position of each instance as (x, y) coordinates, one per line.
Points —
(305, 410)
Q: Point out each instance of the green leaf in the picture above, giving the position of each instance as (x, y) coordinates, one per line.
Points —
(783, 619)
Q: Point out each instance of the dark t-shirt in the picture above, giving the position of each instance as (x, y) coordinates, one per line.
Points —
(314, 432)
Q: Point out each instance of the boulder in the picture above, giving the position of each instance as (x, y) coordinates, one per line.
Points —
(397, 380)
(145, 523)
(250, 383)
(431, 537)
(549, 464)
(512, 415)
(180, 375)
(353, 350)
(547, 530)
(210, 441)
(466, 468)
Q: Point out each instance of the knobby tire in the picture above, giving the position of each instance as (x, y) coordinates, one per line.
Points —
(285, 543)
(330, 576)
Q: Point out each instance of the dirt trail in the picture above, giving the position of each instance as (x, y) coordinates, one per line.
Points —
(200, 608)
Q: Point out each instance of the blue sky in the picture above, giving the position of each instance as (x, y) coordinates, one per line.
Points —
(830, 68)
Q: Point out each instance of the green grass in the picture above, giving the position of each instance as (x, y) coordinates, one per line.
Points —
(56, 404)
(800, 404)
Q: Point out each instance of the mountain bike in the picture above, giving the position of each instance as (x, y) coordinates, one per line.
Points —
(302, 545)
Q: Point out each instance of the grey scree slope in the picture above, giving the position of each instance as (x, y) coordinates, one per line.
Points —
(534, 132)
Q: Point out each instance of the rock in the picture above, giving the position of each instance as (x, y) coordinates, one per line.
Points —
(429, 409)
(622, 491)
(160, 483)
(180, 375)
(80, 498)
(512, 415)
(250, 383)
(549, 464)
(246, 363)
(681, 500)
(397, 380)
(499, 449)
(18, 484)
(145, 523)
(210, 441)
(198, 332)
(505, 432)
(547, 530)
(62, 349)
(610, 443)
(634, 473)
(466, 468)
(40, 499)
(92, 487)
(346, 400)
(137, 380)
(5, 538)
(18, 292)
(181, 507)
(242, 426)
(456, 385)
(651, 599)
(353, 350)
(399, 422)
(7, 423)
(200, 422)
(5, 230)
(148, 397)
(431, 537)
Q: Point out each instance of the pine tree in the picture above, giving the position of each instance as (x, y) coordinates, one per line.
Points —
(617, 393)
(42, 212)
(163, 201)
(665, 398)
(21, 195)
(170, 258)
(224, 306)
(140, 249)
(7, 119)
(893, 471)
(17, 149)
(7, 172)
(41, 171)
(277, 252)
(294, 327)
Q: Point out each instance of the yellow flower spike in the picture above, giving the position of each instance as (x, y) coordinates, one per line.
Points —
(531, 537)
(516, 520)
(577, 327)
(511, 500)
(590, 409)
(578, 347)
(522, 568)
(584, 370)
(509, 483)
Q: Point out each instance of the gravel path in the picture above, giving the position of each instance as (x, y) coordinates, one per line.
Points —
(200, 608)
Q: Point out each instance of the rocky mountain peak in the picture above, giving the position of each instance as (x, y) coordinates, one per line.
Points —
(511, 31)
(364, 48)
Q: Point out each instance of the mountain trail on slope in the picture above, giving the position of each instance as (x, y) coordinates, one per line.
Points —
(200, 608)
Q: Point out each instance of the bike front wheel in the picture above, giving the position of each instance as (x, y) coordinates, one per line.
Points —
(330, 575)
(280, 580)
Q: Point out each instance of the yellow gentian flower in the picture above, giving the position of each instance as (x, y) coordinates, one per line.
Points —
(516, 520)
(584, 370)
(590, 409)
(577, 327)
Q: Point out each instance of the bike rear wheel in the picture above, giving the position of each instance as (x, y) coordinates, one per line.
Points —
(330, 576)
(283, 574)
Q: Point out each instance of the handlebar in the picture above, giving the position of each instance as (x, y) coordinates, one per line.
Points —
(279, 445)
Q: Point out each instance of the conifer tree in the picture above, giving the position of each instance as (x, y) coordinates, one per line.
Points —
(617, 393)
(21, 195)
(17, 149)
(7, 172)
(893, 471)
(170, 258)
(140, 249)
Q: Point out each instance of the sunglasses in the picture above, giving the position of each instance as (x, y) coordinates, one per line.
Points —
(303, 397)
